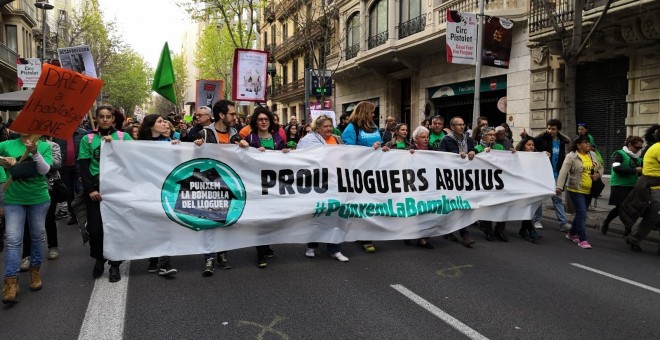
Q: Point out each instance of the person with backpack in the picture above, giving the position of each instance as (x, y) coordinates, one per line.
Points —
(361, 130)
(220, 132)
(89, 158)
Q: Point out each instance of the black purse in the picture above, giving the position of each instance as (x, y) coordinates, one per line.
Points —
(23, 170)
(597, 187)
(58, 191)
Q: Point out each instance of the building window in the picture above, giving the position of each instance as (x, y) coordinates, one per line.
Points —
(378, 24)
(285, 74)
(412, 20)
(410, 9)
(285, 31)
(12, 37)
(266, 47)
(294, 70)
(273, 32)
(353, 36)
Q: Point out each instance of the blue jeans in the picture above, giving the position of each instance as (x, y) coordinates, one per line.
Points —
(581, 202)
(558, 203)
(15, 222)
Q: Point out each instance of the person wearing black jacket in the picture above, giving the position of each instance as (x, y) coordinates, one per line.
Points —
(69, 170)
(204, 119)
(89, 157)
(458, 142)
(554, 144)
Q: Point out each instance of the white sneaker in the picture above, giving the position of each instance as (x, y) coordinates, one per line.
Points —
(53, 253)
(565, 227)
(310, 252)
(25, 264)
(339, 257)
(538, 225)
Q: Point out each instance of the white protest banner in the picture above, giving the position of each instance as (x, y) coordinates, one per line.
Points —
(221, 197)
(461, 37)
(329, 113)
(78, 59)
(28, 71)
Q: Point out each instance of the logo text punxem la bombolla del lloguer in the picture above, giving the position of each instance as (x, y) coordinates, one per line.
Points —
(203, 194)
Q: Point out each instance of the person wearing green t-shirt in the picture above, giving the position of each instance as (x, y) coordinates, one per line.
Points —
(487, 142)
(437, 132)
(88, 161)
(26, 196)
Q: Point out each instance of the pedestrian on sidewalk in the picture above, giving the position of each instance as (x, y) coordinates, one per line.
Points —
(580, 169)
(626, 168)
(554, 144)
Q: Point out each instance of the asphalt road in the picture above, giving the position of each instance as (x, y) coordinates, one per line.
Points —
(515, 290)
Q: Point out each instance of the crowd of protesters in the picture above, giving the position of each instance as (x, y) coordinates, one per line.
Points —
(42, 175)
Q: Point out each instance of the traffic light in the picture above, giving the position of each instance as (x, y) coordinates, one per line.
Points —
(319, 90)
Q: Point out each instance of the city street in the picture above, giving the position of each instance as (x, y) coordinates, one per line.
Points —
(515, 290)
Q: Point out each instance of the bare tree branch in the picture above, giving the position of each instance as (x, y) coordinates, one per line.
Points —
(594, 28)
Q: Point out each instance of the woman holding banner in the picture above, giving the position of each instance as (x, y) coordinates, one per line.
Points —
(155, 128)
(263, 136)
(27, 195)
(322, 135)
(88, 161)
(362, 130)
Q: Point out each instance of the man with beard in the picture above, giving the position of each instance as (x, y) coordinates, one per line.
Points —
(458, 142)
(390, 129)
(221, 132)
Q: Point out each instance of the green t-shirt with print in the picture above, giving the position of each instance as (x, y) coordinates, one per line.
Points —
(480, 148)
(434, 139)
(92, 151)
(268, 143)
(27, 191)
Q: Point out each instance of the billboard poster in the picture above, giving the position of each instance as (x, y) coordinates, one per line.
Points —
(498, 35)
(207, 92)
(249, 75)
(461, 37)
(28, 71)
(77, 59)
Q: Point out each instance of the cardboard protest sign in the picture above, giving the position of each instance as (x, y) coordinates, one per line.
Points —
(249, 75)
(58, 104)
(78, 59)
(207, 92)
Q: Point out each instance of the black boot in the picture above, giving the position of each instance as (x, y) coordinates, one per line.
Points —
(487, 228)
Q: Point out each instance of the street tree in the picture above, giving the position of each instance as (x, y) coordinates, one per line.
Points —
(127, 80)
(573, 42)
(214, 56)
(231, 24)
(88, 27)
(181, 84)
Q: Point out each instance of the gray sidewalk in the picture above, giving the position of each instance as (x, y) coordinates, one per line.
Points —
(597, 213)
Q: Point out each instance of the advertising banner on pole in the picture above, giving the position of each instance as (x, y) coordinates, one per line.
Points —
(207, 92)
(28, 71)
(221, 197)
(498, 36)
(249, 75)
(78, 59)
(58, 104)
(461, 37)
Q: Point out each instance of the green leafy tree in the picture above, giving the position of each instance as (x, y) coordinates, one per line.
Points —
(214, 56)
(181, 84)
(127, 80)
(88, 27)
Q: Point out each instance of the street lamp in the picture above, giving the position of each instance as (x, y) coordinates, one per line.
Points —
(45, 6)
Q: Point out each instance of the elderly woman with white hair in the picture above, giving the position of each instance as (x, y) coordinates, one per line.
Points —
(321, 134)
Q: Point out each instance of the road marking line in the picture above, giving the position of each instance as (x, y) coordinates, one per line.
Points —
(442, 315)
(640, 285)
(104, 318)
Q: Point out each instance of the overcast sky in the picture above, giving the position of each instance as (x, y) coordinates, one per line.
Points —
(147, 24)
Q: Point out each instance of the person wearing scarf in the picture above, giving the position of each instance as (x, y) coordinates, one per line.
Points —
(487, 142)
(626, 168)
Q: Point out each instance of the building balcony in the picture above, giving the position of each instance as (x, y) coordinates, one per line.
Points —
(352, 51)
(377, 40)
(8, 58)
(269, 12)
(292, 90)
(285, 7)
(25, 9)
(297, 43)
(412, 26)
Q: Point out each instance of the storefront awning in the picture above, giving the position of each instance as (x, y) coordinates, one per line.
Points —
(467, 87)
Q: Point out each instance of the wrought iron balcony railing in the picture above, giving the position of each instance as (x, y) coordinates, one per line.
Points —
(296, 87)
(540, 19)
(352, 51)
(412, 26)
(377, 40)
(8, 57)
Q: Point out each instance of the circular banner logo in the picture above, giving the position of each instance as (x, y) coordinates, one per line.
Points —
(203, 194)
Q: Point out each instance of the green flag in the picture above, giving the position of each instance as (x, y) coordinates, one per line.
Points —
(164, 77)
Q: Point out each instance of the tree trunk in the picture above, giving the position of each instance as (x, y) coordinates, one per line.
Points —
(570, 76)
